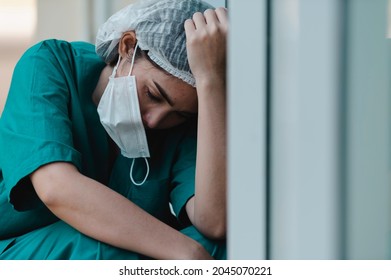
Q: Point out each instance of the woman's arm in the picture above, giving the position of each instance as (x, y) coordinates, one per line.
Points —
(206, 46)
(105, 215)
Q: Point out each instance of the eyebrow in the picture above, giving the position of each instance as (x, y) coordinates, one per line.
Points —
(163, 93)
(169, 101)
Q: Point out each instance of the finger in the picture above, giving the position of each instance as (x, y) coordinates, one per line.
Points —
(199, 20)
(222, 16)
(189, 26)
(210, 17)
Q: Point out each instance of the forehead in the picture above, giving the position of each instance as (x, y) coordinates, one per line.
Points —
(181, 93)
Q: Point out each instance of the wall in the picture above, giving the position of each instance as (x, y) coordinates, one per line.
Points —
(17, 27)
(25, 22)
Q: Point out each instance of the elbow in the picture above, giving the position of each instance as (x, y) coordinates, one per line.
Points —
(210, 222)
(47, 195)
(217, 232)
(48, 182)
(213, 228)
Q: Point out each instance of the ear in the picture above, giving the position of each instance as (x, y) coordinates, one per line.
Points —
(126, 44)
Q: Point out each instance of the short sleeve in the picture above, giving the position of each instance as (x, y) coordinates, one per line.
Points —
(183, 175)
(35, 128)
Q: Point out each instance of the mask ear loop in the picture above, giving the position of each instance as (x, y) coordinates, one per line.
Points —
(133, 57)
(146, 175)
(131, 63)
(116, 67)
(146, 161)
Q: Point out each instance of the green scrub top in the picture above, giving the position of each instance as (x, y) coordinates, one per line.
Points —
(49, 116)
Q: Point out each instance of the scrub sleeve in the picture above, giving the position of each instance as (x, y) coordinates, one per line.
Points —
(35, 130)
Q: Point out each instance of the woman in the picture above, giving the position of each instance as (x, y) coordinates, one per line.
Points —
(61, 194)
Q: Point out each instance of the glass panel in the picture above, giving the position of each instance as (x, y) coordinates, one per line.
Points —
(368, 124)
(247, 126)
(304, 161)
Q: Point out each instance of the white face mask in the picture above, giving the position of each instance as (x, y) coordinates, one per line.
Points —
(120, 115)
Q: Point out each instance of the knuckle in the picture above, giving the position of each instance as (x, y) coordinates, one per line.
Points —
(201, 37)
(191, 40)
(213, 30)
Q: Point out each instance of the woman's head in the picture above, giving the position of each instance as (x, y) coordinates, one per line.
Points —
(166, 86)
(165, 100)
(159, 28)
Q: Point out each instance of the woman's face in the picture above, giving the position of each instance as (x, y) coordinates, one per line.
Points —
(165, 101)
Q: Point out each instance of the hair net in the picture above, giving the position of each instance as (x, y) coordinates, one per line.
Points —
(159, 28)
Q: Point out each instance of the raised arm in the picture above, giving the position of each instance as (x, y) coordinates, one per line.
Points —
(206, 46)
(101, 213)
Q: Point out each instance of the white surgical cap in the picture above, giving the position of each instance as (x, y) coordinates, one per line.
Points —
(159, 28)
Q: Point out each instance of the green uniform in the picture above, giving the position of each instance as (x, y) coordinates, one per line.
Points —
(49, 116)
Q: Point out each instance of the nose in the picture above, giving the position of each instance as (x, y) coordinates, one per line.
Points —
(161, 118)
(153, 118)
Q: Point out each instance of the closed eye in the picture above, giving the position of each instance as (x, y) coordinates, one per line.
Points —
(187, 115)
(153, 97)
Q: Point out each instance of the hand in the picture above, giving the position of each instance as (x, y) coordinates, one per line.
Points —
(206, 36)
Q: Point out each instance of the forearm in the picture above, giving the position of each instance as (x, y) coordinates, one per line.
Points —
(105, 215)
(206, 48)
(210, 192)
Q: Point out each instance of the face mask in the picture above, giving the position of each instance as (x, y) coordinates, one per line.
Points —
(120, 115)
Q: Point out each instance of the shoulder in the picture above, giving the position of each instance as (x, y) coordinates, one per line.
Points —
(50, 47)
(59, 52)
(58, 58)
(55, 46)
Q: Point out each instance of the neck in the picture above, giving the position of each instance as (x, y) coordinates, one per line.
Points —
(102, 84)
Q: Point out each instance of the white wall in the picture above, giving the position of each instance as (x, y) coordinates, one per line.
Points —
(17, 28)
(74, 20)
(78, 19)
